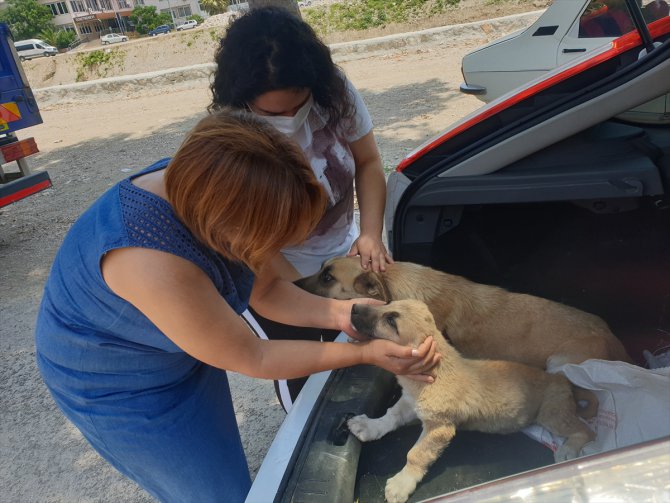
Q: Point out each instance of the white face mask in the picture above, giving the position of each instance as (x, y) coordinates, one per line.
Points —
(290, 125)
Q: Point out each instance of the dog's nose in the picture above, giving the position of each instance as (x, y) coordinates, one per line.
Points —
(354, 309)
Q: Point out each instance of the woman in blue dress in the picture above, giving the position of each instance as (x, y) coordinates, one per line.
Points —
(140, 315)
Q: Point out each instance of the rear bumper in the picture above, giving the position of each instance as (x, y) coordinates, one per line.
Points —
(23, 187)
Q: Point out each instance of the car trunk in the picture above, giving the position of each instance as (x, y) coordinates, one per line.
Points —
(545, 226)
(547, 196)
(605, 255)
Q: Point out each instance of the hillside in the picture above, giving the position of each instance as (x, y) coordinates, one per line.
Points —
(197, 46)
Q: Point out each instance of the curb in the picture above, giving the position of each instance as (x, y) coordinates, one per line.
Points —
(188, 77)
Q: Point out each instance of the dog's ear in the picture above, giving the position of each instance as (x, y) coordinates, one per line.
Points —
(370, 284)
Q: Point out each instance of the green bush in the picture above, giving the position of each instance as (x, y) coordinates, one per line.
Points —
(98, 63)
(49, 35)
(60, 39)
(365, 14)
(64, 38)
(146, 18)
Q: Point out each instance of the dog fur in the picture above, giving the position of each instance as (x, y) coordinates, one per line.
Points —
(481, 321)
(483, 395)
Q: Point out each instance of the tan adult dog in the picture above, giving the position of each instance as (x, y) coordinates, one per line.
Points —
(481, 321)
(492, 396)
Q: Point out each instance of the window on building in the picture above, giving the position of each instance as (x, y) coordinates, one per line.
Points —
(139, 2)
(77, 6)
(93, 4)
(184, 11)
(58, 8)
(85, 29)
(123, 4)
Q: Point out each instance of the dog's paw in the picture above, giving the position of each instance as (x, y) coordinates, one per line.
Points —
(565, 453)
(399, 488)
(364, 428)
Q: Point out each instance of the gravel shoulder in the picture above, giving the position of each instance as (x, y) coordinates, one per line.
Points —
(412, 95)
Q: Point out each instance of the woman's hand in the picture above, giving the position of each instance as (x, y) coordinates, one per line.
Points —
(417, 364)
(344, 316)
(372, 251)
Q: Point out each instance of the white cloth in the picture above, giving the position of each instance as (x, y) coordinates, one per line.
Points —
(327, 150)
(634, 404)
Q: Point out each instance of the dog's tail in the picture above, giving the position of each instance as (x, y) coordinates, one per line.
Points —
(587, 402)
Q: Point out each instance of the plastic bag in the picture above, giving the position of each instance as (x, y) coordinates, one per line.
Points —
(634, 404)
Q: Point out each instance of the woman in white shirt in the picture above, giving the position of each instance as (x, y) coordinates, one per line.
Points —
(274, 65)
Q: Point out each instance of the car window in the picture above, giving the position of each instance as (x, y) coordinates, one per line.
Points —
(24, 47)
(610, 18)
(605, 18)
(653, 10)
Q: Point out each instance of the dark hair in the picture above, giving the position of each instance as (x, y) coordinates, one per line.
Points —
(269, 49)
(243, 188)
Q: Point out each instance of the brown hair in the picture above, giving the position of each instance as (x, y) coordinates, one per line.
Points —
(243, 188)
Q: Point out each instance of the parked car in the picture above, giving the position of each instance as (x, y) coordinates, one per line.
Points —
(566, 30)
(187, 25)
(34, 48)
(113, 38)
(160, 30)
(542, 191)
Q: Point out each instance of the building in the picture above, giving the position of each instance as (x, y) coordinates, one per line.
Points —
(91, 18)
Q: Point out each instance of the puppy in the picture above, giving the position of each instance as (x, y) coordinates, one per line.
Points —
(481, 321)
(483, 395)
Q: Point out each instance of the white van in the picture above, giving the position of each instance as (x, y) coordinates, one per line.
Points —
(34, 48)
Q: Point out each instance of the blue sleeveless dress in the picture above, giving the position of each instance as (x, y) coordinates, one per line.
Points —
(158, 415)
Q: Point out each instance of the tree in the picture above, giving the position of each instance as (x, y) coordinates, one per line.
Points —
(214, 7)
(26, 18)
(289, 5)
(64, 38)
(146, 18)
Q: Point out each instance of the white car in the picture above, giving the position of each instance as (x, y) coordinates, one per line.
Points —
(566, 30)
(187, 25)
(113, 38)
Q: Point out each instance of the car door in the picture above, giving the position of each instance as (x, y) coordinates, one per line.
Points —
(601, 21)
(593, 27)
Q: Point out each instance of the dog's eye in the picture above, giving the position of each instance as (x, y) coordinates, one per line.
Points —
(390, 320)
(326, 278)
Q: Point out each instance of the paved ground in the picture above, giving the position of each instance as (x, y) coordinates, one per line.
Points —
(412, 95)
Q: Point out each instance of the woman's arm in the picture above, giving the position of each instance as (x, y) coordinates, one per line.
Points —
(182, 302)
(280, 300)
(371, 193)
